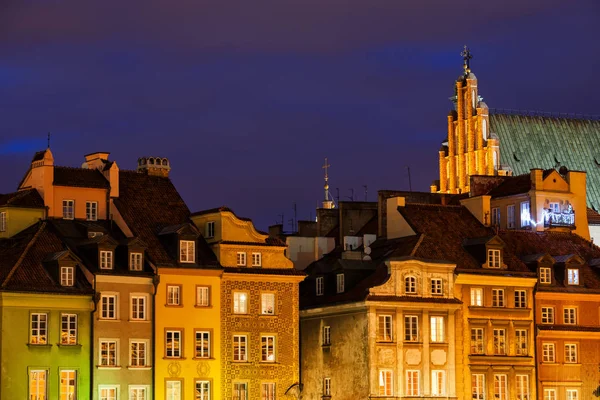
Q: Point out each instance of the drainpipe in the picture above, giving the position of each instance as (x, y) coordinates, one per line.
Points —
(96, 299)
(155, 282)
(535, 343)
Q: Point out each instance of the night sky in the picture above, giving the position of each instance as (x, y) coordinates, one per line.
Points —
(246, 98)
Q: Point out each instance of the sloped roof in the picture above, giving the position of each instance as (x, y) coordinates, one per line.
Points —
(149, 204)
(528, 142)
(79, 177)
(512, 185)
(29, 198)
(593, 217)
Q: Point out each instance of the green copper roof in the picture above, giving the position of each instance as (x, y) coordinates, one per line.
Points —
(528, 142)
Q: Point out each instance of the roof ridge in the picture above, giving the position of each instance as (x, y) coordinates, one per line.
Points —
(22, 257)
(543, 114)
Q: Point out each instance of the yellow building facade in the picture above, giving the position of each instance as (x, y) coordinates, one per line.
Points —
(259, 308)
(19, 211)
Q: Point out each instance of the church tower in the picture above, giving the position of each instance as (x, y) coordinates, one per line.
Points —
(470, 148)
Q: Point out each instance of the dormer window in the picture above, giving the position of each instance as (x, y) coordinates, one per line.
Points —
(340, 283)
(67, 276)
(187, 251)
(545, 275)
(493, 258)
(68, 209)
(135, 261)
(106, 259)
(256, 259)
(319, 286)
(410, 285)
(210, 229)
(573, 276)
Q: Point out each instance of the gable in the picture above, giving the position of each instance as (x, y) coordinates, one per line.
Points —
(555, 182)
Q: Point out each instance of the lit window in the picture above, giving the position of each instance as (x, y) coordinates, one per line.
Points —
(108, 353)
(202, 390)
(478, 386)
(91, 210)
(267, 305)
(240, 391)
(500, 387)
(570, 316)
(497, 297)
(173, 389)
(241, 259)
(267, 344)
(521, 342)
(68, 209)
(202, 344)
(477, 297)
(138, 308)
(256, 259)
(554, 208)
(384, 328)
(549, 394)
(386, 379)
(510, 216)
(438, 383)
(573, 276)
(547, 315)
(108, 307)
(107, 392)
(173, 295)
(477, 343)
(548, 354)
(38, 328)
(239, 348)
(327, 387)
(210, 229)
(436, 286)
(499, 341)
(68, 384)
(495, 216)
(545, 275)
(522, 387)
(135, 261)
(437, 329)
(570, 353)
(38, 384)
(493, 258)
(410, 285)
(525, 214)
(3, 222)
(412, 383)
(173, 344)
(240, 303)
(267, 391)
(187, 251)
(202, 296)
(67, 276)
(572, 394)
(411, 328)
(137, 356)
(319, 286)
(340, 283)
(326, 335)
(520, 299)
(68, 329)
(106, 259)
(137, 392)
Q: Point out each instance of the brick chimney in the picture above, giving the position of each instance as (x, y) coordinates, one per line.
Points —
(155, 166)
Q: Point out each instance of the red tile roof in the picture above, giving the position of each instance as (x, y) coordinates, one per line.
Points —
(29, 198)
(593, 217)
(512, 185)
(79, 177)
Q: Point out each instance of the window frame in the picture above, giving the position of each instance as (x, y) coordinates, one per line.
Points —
(67, 275)
(241, 259)
(340, 281)
(41, 384)
(176, 348)
(71, 333)
(520, 298)
(137, 314)
(71, 375)
(495, 219)
(522, 387)
(241, 302)
(137, 389)
(499, 341)
(545, 275)
(256, 259)
(573, 276)
(547, 315)
(208, 389)
(498, 298)
(385, 332)
(569, 394)
(268, 391)
(413, 382)
(386, 382)
(210, 229)
(411, 325)
(326, 337)
(437, 287)
(549, 394)
(494, 258)
(548, 353)
(136, 261)
(242, 390)
(268, 349)
(439, 388)
(571, 353)
(170, 300)
(134, 362)
(106, 258)
(326, 386)
(172, 396)
(68, 211)
(501, 386)
(114, 388)
(475, 299)
(570, 316)
(510, 216)
(91, 211)
(477, 340)
(525, 216)
(105, 309)
(437, 329)
(410, 285)
(478, 388)
(185, 256)
(264, 308)
(40, 337)
(241, 347)
(203, 347)
(107, 354)
(521, 342)
(3, 222)
(203, 296)
(319, 286)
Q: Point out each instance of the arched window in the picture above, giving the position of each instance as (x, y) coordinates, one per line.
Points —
(495, 154)
(410, 285)
(484, 129)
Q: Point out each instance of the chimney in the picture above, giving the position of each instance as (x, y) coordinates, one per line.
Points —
(96, 160)
(155, 166)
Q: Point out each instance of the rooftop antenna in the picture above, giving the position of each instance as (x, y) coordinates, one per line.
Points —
(282, 220)
(351, 197)
(327, 203)
(291, 222)
(295, 224)
(337, 195)
(409, 181)
(48, 139)
(366, 192)
(467, 56)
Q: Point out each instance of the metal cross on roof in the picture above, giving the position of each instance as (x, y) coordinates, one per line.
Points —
(325, 166)
(466, 55)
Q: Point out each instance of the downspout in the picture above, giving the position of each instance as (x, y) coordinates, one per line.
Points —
(155, 282)
(95, 299)
(535, 343)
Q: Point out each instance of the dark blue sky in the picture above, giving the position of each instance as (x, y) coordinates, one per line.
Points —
(246, 98)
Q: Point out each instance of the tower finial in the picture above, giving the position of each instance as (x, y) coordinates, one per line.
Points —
(326, 202)
(467, 56)
(48, 139)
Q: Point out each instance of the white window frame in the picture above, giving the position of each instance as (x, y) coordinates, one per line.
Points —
(478, 386)
(240, 391)
(241, 259)
(257, 259)
(437, 288)
(520, 298)
(3, 222)
(438, 382)
(571, 353)
(267, 391)
(525, 214)
(187, 251)
(240, 345)
(137, 347)
(572, 394)
(554, 207)
(498, 298)
(268, 348)
(210, 229)
(477, 341)
(70, 379)
(411, 328)
(326, 335)
(495, 216)
(501, 386)
(477, 297)
(522, 386)
(104, 392)
(67, 276)
(38, 388)
(521, 342)
(386, 382)
(138, 392)
(106, 259)
(139, 307)
(545, 275)
(437, 328)
(68, 333)
(105, 306)
(319, 286)
(572, 276)
(327, 387)
(547, 315)
(68, 209)
(510, 216)
(202, 390)
(570, 315)
(136, 261)
(385, 328)
(413, 383)
(91, 210)
(410, 284)
(267, 303)
(174, 343)
(173, 295)
(202, 296)
(240, 302)
(38, 328)
(108, 353)
(548, 353)
(340, 283)
(549, 394)
(494, 258)
(202, 344)
(499, 339)
(174, 389)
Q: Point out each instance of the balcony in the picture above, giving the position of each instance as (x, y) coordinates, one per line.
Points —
(554, 218)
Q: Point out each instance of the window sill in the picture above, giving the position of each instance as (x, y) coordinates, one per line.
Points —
(327, 345)
(241, 314)
(408, 342)
(199, 306)
(39, 345)
(109, 320)
(385, 342)
(439, 343)
(174, 305)
(174, 358)
(241, 362)
(76, 345)
(203, 358)
(109, 367)
(144, 368)
(267, 315)
(139, 320)
(262, 362)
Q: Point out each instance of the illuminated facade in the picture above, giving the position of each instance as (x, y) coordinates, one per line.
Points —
(259, 312)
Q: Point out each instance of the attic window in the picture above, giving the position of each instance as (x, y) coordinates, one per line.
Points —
(545, 275)
(135, 261)
(319, 286)
(106, 259)
(340, 283)
(187, 251)
(67, 276)
(573, 276)
(410, 285)
(493, 258)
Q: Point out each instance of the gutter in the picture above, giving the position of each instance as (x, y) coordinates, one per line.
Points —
(155, 282)
(95, 299)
